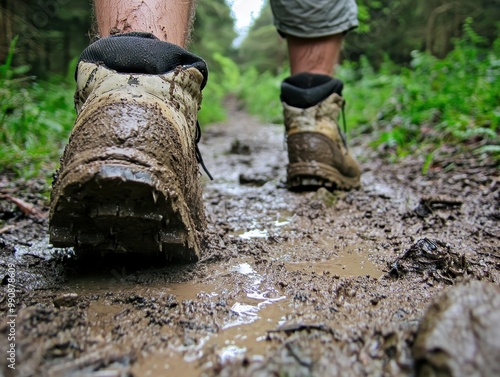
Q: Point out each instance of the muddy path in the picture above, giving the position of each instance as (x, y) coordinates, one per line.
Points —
(291, 284)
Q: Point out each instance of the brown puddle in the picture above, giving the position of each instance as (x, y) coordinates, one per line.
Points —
(259, 308)
(229, 345)
(349, 261)
(275, 221)
(168, 363)
(101, 284)
(346, 264)
(256, 316)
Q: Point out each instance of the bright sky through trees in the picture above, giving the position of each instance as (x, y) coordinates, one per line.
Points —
(244, 12)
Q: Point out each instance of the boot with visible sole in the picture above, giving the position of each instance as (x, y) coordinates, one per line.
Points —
(317, 151)
(129, 178)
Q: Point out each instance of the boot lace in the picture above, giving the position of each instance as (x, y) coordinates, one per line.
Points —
(197, 151)
(343, 135)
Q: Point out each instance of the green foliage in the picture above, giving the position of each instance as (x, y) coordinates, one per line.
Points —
(448, 100)
(261, 94)
(212, 36)
(263, 48)
(360, 84)
(35, 119)
(220, 83)
(213, 32)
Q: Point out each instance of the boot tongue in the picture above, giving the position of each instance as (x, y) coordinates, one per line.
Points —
(304, 90)
(139, 52)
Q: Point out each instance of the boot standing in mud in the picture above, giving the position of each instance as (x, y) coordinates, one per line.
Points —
(311, 97)
(129, 179)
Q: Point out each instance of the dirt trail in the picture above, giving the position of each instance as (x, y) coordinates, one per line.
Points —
(292, 284)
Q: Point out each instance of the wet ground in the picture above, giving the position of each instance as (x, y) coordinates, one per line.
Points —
(362, 283)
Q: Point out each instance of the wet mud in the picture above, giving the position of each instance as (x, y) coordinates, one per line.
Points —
(359, 283)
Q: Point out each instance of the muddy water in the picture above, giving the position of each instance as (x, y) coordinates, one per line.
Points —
(297, 284)
(258, 309)
(345, 265)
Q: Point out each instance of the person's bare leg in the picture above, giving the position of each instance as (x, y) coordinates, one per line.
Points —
(314, 55)
(169, 20)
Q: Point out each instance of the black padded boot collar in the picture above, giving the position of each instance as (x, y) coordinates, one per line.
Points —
(304, 90)
(139, 52)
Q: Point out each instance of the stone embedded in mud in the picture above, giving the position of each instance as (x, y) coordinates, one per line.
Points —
(326, 197)
(66, 299)
(238, 147)
(428, 204)
(254, 178)
(460, 335)
(431, 258)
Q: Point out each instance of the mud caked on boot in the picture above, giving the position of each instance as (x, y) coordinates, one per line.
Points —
(129, 177)
(317, 151)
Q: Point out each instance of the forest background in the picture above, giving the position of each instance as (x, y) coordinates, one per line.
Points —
(419, 76)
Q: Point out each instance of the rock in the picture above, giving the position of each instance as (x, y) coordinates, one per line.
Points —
(237, 147)
(66, 299)
(326, 197)
(254, 178)
(460, 333)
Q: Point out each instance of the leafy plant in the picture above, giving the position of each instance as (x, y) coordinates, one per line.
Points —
(35, 119)
(463, 90)
(261, 94)
(221, 82)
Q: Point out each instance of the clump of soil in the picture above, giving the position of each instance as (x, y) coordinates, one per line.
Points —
(431, 258)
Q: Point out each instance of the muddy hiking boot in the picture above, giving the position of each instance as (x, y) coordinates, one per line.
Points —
(129, 178)
(317, 150)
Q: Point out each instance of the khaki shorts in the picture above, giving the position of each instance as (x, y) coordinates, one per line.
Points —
(314, 18)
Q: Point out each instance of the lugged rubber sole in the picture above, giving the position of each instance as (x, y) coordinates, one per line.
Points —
(118, 209)
(313, 174)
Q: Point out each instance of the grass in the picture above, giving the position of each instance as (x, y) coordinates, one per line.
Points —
(261, 94)
(453, 100)
(35, 123)
(220, 83)
(35, 119)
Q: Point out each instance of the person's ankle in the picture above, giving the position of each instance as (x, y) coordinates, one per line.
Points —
(307, 89)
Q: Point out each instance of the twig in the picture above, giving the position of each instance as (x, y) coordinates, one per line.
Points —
(300, 327)
(26, 208)
(446, 200)
(488, 254)
(6, 228)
